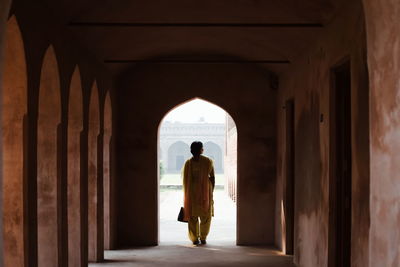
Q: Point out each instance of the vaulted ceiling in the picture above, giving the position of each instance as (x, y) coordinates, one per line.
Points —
(271, 33)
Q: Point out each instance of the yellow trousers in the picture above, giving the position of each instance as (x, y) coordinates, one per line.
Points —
(199, 229)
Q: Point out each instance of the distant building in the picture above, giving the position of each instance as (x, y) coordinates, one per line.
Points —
(176, 137)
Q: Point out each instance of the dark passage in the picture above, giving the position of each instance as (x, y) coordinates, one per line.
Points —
(289, 203)
(343, 158)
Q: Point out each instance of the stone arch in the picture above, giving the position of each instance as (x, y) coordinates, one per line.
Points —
(14, 104)
(227, 87)
(49, 116)
(75, 127)
(214, 151)
(94, 184)
(178, 152)
(107, 178)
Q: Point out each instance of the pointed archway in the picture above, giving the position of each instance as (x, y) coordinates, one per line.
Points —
(177, 153)
(75, 188)
(14, 104)
(95, 204)
(107, 177)
(49, 117)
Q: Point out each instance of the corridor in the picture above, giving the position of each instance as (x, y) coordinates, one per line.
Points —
(175, 249)
(309, 142)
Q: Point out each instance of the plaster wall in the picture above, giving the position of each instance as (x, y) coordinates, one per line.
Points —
(383, 32)
(108, 181)
(74, 200)
(4, 10)
(48, 206)
(147, 93)
(308, 82)
(14, 107)
(40, 28)
(95, 182)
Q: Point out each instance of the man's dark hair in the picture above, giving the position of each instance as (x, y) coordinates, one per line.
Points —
(195, 148)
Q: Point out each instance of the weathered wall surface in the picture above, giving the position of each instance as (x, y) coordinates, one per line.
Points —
(308, 82)
(14, 109)
(107, 176)
(48, 207)
(40, 29)
(4, 9)
(383, 35)
(75, 127)
(147, 93)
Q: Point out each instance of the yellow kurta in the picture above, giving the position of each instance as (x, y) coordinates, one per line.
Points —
(198, 196)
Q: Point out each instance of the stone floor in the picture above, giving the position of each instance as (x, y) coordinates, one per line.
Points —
(188, 255)
(176, 250)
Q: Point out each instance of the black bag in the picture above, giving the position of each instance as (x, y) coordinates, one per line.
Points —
(181, 215)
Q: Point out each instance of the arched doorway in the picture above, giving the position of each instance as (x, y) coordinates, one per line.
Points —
(49, 117)
(75, 187)
(214, 151)
(95, 221)
(108, 179)
(204, 123)
(177, 153)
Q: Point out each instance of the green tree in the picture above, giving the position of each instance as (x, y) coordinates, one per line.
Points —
(162, 171)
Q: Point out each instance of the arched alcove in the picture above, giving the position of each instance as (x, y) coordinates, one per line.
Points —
(14, 105)
(75, 127)
(108, 183)
(214, 151)
(252, 105)
(94, 222)
(49, 116)
(178, 152)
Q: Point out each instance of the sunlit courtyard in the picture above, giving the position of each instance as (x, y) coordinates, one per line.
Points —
(223, 226)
